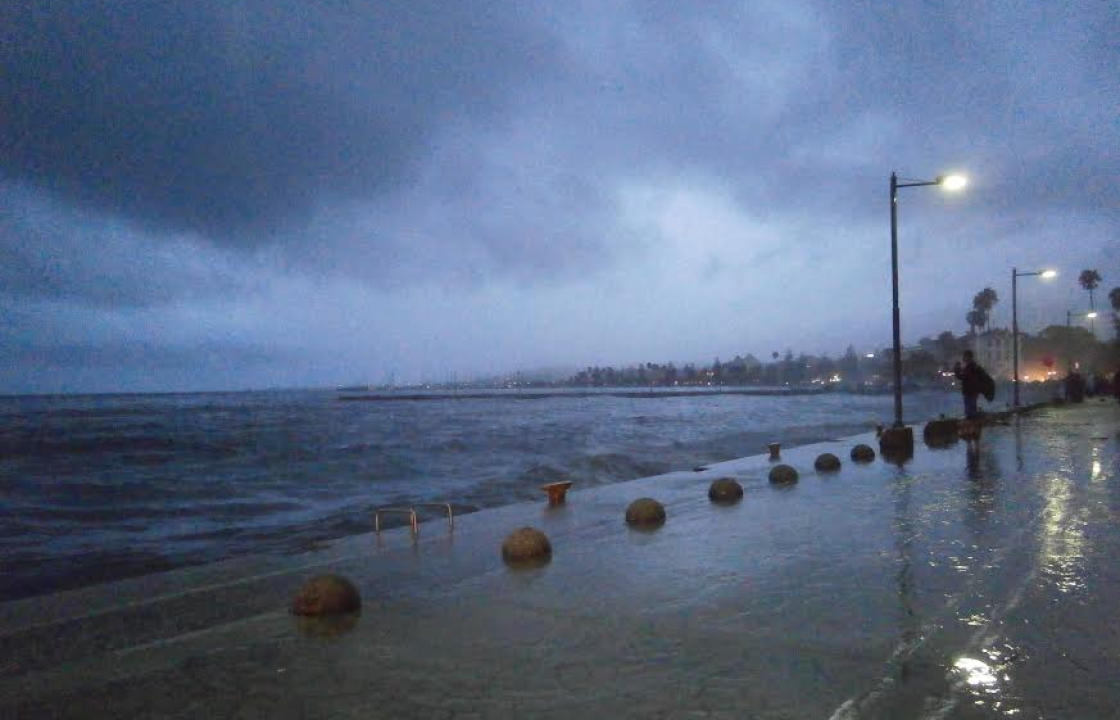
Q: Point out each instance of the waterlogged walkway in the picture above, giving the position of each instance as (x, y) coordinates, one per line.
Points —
(947, 588)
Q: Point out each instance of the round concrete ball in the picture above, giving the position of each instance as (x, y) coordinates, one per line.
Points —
(645, 512)
(526, 545)
(863, 453)
(827, 462)
(783, 475)
(725, 490)
(327, 627)
(327, 595)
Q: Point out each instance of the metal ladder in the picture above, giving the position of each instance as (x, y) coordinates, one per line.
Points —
(413, 521)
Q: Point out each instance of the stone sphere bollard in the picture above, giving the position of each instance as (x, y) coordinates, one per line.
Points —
(645, 513)
(326, 627)
(863, 453)
(783, 475)
(327, 595)
(725, 491)
(827, 462)
(526, 545)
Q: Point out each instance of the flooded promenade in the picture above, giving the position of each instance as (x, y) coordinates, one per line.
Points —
(950, 587)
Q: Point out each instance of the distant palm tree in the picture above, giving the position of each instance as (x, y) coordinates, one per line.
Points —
(975, 319)
(984, 301)
(1089, 280)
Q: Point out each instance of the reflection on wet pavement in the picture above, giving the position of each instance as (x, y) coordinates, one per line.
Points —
(955, 586)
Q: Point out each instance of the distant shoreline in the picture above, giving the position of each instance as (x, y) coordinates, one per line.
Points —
(385, 397)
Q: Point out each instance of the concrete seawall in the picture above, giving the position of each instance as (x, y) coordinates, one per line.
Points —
(954, 585)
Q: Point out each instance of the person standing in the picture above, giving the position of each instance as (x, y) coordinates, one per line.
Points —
(975, 381)
(1075, 387)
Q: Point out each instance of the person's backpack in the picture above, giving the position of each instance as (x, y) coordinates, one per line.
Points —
(987, 385)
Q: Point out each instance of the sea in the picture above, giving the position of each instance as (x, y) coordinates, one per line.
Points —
(95, 488)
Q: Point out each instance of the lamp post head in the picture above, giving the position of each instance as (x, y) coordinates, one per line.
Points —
(1047, 274)
(1091, 315)
(952, 182)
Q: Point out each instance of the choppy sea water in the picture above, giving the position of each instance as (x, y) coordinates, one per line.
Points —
(97, 488)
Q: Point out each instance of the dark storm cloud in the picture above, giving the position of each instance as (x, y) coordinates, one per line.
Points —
(387, 183)
(151, 367)
(158, 358)
(50, 252)
(233, 119)
(500, 131)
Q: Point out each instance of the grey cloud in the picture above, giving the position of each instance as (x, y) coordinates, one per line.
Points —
(139, 355)
(404, 140)
(229, 118)
(198, 158)
(54, 253)
(235, 120)
(151, 367)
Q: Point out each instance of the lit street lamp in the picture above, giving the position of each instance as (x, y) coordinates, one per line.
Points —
(1069, 324)
(1015, 275)
(1069, 316)
(904, 435)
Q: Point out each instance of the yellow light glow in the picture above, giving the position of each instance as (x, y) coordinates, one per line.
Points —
(1047, 274)
(954, 182)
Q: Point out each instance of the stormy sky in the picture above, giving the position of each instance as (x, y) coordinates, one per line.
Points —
(228, 194)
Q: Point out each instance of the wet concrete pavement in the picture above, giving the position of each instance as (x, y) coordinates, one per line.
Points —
(953, 586)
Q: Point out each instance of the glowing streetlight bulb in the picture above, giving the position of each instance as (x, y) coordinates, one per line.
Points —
(1091, 315)
(1047, 274)
(953, 182)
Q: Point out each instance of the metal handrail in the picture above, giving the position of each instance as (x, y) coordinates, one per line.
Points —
(413, 521)
(447, 506)
(411, 518)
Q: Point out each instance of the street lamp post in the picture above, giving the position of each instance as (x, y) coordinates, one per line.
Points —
(1069, 355)
(1069, 325)
(949, 182)
(1015, 275)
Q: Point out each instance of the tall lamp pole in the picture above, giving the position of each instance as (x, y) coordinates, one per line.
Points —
(1069, 326)
(1015, 275)
(949, 182)
(1069, 356)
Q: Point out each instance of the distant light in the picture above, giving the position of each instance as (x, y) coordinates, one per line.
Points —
(1091, 315)
(870, 355)
(1047, 274)
(953, 182)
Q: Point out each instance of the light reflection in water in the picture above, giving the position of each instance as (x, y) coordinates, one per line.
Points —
(977, 674)
(987, 679)
(1062, 541)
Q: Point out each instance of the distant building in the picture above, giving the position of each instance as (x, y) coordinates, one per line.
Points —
(994, 351)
